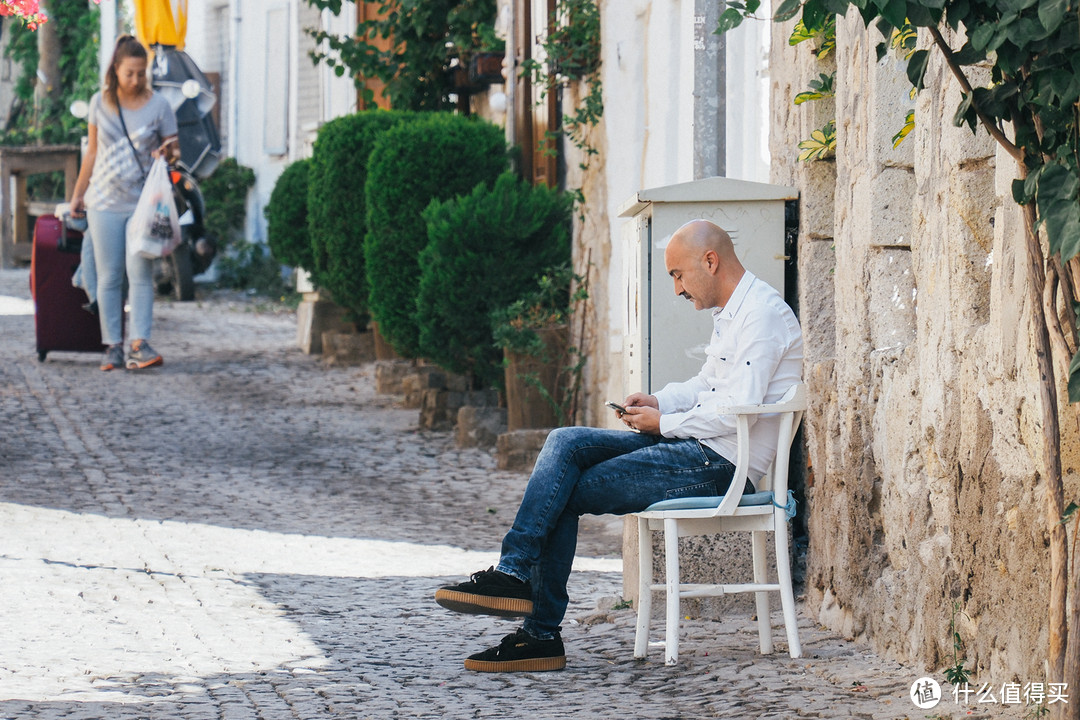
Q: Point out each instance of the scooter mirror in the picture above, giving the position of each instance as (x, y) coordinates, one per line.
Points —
(191, 89)
(80, 109)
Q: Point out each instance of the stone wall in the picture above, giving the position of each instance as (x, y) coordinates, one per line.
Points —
(924, 496)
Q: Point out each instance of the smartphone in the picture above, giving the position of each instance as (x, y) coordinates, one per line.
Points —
(615, 406)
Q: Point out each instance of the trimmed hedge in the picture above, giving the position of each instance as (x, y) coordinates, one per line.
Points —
(484, 251)
(287, 217)
(436, 156)
(337, 211)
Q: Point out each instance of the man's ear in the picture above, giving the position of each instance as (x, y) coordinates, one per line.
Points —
(712, 261)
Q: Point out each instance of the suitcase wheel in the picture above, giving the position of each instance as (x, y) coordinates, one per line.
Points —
(41, 355)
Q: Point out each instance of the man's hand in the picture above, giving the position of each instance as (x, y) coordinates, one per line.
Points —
(642, 418)
(641, 400)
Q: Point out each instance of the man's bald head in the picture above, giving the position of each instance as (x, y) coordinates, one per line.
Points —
(702, 236)
(701, 259)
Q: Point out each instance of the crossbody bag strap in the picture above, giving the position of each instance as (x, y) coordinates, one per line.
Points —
(120, 112)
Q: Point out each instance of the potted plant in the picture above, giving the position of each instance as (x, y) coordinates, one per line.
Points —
(543, 367)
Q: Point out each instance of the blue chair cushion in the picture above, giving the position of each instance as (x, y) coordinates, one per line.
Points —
(708, 502)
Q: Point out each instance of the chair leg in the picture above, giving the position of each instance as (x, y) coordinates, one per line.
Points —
(757, 544)
(644, 598)
(787, 595)
(671, 553)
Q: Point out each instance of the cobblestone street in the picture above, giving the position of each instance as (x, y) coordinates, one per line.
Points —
(248, 533)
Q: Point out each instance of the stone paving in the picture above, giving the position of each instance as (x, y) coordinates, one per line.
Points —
(247, 533)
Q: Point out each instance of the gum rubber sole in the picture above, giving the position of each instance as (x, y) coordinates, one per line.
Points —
(471, 604)
(133, 365)
(525, 665)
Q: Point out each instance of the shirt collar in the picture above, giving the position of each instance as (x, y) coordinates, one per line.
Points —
(731, 309)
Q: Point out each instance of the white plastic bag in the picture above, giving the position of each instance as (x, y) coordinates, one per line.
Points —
(154, 228)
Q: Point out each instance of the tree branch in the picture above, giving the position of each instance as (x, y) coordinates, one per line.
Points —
(991, 127)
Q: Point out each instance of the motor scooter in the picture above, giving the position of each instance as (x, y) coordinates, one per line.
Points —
(176, 76)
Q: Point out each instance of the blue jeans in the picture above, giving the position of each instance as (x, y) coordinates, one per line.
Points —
(592, 471)
(108, 233)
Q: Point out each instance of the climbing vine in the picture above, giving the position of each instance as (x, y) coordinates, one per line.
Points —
(822, 141)
(413, 47)
(572, 54)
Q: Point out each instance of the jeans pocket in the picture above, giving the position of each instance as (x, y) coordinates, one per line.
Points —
(706, 488)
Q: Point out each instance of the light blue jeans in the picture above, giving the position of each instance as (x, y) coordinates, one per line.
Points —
(108, 233)
(592, 471)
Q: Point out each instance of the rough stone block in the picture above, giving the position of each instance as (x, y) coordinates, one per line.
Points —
(892, 299)
(348, 349)
(383, 349)
(418, 380)
(817, 183)
(479, 426)
(891, 101)
(439, 408)
(313, 318)
(817, 298)
(518, 450)
(389, 375)
(891, 194)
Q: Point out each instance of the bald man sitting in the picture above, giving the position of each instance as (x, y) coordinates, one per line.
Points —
(681, 449)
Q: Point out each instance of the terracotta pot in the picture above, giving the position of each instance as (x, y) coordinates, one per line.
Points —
(526, 406)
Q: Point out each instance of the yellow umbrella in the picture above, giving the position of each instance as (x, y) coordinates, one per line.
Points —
(161, 22)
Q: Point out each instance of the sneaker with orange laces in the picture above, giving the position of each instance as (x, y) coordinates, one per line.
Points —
(142, 356)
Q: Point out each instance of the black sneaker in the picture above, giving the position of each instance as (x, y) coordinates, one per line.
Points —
(520, 652)
(489, 592)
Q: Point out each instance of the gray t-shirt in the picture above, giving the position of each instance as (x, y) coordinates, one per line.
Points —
(117, 179)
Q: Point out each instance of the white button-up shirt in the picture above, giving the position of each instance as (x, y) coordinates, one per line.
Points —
(755, 356)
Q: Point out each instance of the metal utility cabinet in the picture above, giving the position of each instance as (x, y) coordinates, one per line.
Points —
(665, 337)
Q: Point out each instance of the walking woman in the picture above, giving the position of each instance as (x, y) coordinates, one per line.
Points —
(129, 125)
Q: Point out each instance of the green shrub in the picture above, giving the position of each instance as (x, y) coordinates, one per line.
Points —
(484, 251)
(437, 156)
(286, 217)
(249, 266)
(225, 193)
(337, 210)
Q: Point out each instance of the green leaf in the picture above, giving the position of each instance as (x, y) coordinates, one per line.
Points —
(813, 14)
(822, 142)
(909, 125)
(787, 10)
(1073, 507)
(967, 55)
(1052, 12)
(1061, 219)
(729, 20)
(965, 113)
(799, 34)
(807, 97)
(922, 16)
(980, 39)
(916, 67)
(1019, 196)
(895, 11)
(1074, 379)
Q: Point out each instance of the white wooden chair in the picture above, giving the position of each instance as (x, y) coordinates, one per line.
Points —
(766, 511)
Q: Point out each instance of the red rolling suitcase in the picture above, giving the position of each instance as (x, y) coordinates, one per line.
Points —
(60, 321)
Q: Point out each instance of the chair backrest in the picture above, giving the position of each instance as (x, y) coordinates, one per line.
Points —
(790, 408)
(775, 479)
